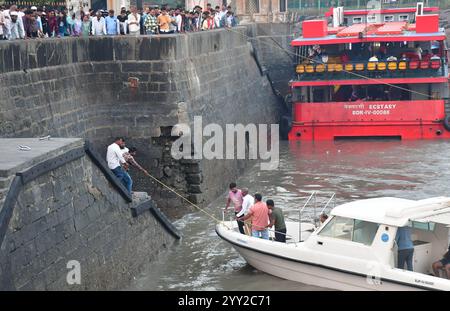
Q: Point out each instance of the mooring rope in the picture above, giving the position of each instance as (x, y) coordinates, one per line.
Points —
(217, 220)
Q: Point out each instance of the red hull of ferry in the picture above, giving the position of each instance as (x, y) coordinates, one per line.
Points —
(405, 120)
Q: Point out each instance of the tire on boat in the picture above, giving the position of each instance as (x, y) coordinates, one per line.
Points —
(447, 122)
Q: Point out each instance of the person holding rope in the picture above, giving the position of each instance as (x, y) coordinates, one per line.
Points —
(117, 164)
(248, 202)
(260, 218)
(128, 155)
(277, 219)
(235, 196)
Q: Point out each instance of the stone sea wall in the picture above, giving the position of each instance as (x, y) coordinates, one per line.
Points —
(73, 214)
(80, 87)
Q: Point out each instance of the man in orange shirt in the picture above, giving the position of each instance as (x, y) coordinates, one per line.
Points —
(164, 21)
(260, 219)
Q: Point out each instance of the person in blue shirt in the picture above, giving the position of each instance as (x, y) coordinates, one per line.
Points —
(112, 24)
(405, 248)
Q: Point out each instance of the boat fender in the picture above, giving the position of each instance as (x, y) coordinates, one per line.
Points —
(447, 122)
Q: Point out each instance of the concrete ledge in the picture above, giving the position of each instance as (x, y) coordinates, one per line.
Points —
(13, 160)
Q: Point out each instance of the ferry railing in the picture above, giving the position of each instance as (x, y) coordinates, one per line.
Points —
(381, 69)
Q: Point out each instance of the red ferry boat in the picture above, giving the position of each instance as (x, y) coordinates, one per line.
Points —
(371, 73)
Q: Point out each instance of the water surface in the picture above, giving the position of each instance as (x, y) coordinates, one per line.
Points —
(351, 169)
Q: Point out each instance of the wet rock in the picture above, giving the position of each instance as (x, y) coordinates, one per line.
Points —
(167, 171)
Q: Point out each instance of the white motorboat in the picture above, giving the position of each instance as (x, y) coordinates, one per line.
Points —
(355, 249)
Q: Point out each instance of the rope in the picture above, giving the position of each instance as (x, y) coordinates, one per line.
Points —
(198, 207)
(350, 72)
(184, 198)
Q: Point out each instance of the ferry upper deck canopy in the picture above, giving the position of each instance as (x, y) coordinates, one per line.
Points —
(361, 33)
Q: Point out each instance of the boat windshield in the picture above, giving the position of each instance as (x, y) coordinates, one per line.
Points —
(350, 229)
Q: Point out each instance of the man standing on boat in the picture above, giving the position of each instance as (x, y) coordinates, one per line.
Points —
(405, 248)
(235, 196)
(248, 202)
(260, 218)
(277, 219)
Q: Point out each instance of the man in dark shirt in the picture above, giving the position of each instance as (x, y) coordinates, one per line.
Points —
(444, 264)
(30, 24)
(123, 17)
(277, 219)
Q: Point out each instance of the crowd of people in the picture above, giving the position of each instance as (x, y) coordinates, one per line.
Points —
(253, 216)
(34, 22)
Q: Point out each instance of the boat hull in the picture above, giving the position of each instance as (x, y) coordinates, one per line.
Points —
(314, 275)
(264, 256)
(328, 131)
(419, 119)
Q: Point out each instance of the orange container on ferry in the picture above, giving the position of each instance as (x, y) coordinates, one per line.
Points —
(371, 73)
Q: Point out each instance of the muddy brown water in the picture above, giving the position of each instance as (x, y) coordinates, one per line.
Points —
(351, 169)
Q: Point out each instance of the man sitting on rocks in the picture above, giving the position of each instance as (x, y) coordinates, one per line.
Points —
(117, 163)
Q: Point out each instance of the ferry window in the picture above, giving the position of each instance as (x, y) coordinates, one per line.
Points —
(364, 232)
(339, 228)
(371, 19)
(357, 20)
(403, 18)
(428, 226)
(388, 18)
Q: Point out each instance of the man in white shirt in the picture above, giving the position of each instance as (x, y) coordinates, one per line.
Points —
(217, 17)
(178, 20)
(19, 14)
(247, 202)
(98, 25)
(115, 159)
(15, 31)
(134, 22)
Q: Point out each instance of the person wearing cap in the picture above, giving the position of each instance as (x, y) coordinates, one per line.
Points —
(15, 30)
(112, 24)
(98, 25)
(19, 18)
